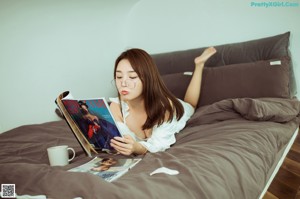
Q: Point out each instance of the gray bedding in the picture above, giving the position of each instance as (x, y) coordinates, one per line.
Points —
(227, 150)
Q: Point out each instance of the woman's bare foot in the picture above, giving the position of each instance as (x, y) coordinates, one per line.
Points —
(207, 53)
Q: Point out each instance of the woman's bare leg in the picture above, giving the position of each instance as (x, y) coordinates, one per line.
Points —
(192, 94)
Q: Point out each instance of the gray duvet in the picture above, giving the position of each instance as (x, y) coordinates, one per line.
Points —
(227, 150)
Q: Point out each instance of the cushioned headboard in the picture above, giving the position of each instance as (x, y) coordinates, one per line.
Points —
(255, 56)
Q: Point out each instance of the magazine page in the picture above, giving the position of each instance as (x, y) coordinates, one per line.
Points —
(107, 168)
(84, 143)
(95, 121)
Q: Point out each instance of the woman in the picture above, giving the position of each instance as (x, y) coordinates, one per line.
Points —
(147, 114)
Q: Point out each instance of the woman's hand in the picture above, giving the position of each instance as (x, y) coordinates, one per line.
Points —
(126, 145)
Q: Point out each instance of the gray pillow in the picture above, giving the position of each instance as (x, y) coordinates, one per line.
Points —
(254, 80)
(242, 52)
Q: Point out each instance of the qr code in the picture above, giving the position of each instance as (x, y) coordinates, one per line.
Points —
(8, 190)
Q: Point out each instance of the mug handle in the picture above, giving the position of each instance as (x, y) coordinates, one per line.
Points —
(73, 151)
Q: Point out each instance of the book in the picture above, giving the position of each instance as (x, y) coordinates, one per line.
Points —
(109, 169)
(90, 121)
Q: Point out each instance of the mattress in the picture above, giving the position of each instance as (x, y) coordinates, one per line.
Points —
(229, 149)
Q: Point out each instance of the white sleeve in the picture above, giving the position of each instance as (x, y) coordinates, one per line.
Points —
(164, 136)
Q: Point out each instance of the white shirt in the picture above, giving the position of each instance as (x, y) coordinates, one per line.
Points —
(162, 136)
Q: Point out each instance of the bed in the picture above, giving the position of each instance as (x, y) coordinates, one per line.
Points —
(246, 121)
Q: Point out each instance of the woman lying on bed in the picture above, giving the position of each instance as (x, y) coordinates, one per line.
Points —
(147, 114)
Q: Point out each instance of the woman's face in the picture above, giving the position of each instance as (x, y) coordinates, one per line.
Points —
(128, 83)
(84, 107)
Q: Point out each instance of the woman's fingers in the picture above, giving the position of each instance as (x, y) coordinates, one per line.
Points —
(126, 139)
(121, 149)
(124, 145)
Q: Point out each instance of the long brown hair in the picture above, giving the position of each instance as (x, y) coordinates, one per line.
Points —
(158, 99)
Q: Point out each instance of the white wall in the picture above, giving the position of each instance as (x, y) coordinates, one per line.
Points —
(50, 46)
(54, 45)
(168, 25)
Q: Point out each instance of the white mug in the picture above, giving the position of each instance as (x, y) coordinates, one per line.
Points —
(59, 155)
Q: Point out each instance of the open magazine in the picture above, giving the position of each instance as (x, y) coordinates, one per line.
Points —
(91, 122)
(107, 168)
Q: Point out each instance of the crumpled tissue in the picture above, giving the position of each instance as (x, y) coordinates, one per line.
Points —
(165, 170)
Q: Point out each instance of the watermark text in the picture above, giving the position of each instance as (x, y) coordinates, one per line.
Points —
(270, 4)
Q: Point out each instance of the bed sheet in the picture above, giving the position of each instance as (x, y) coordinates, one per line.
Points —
(227, 150)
